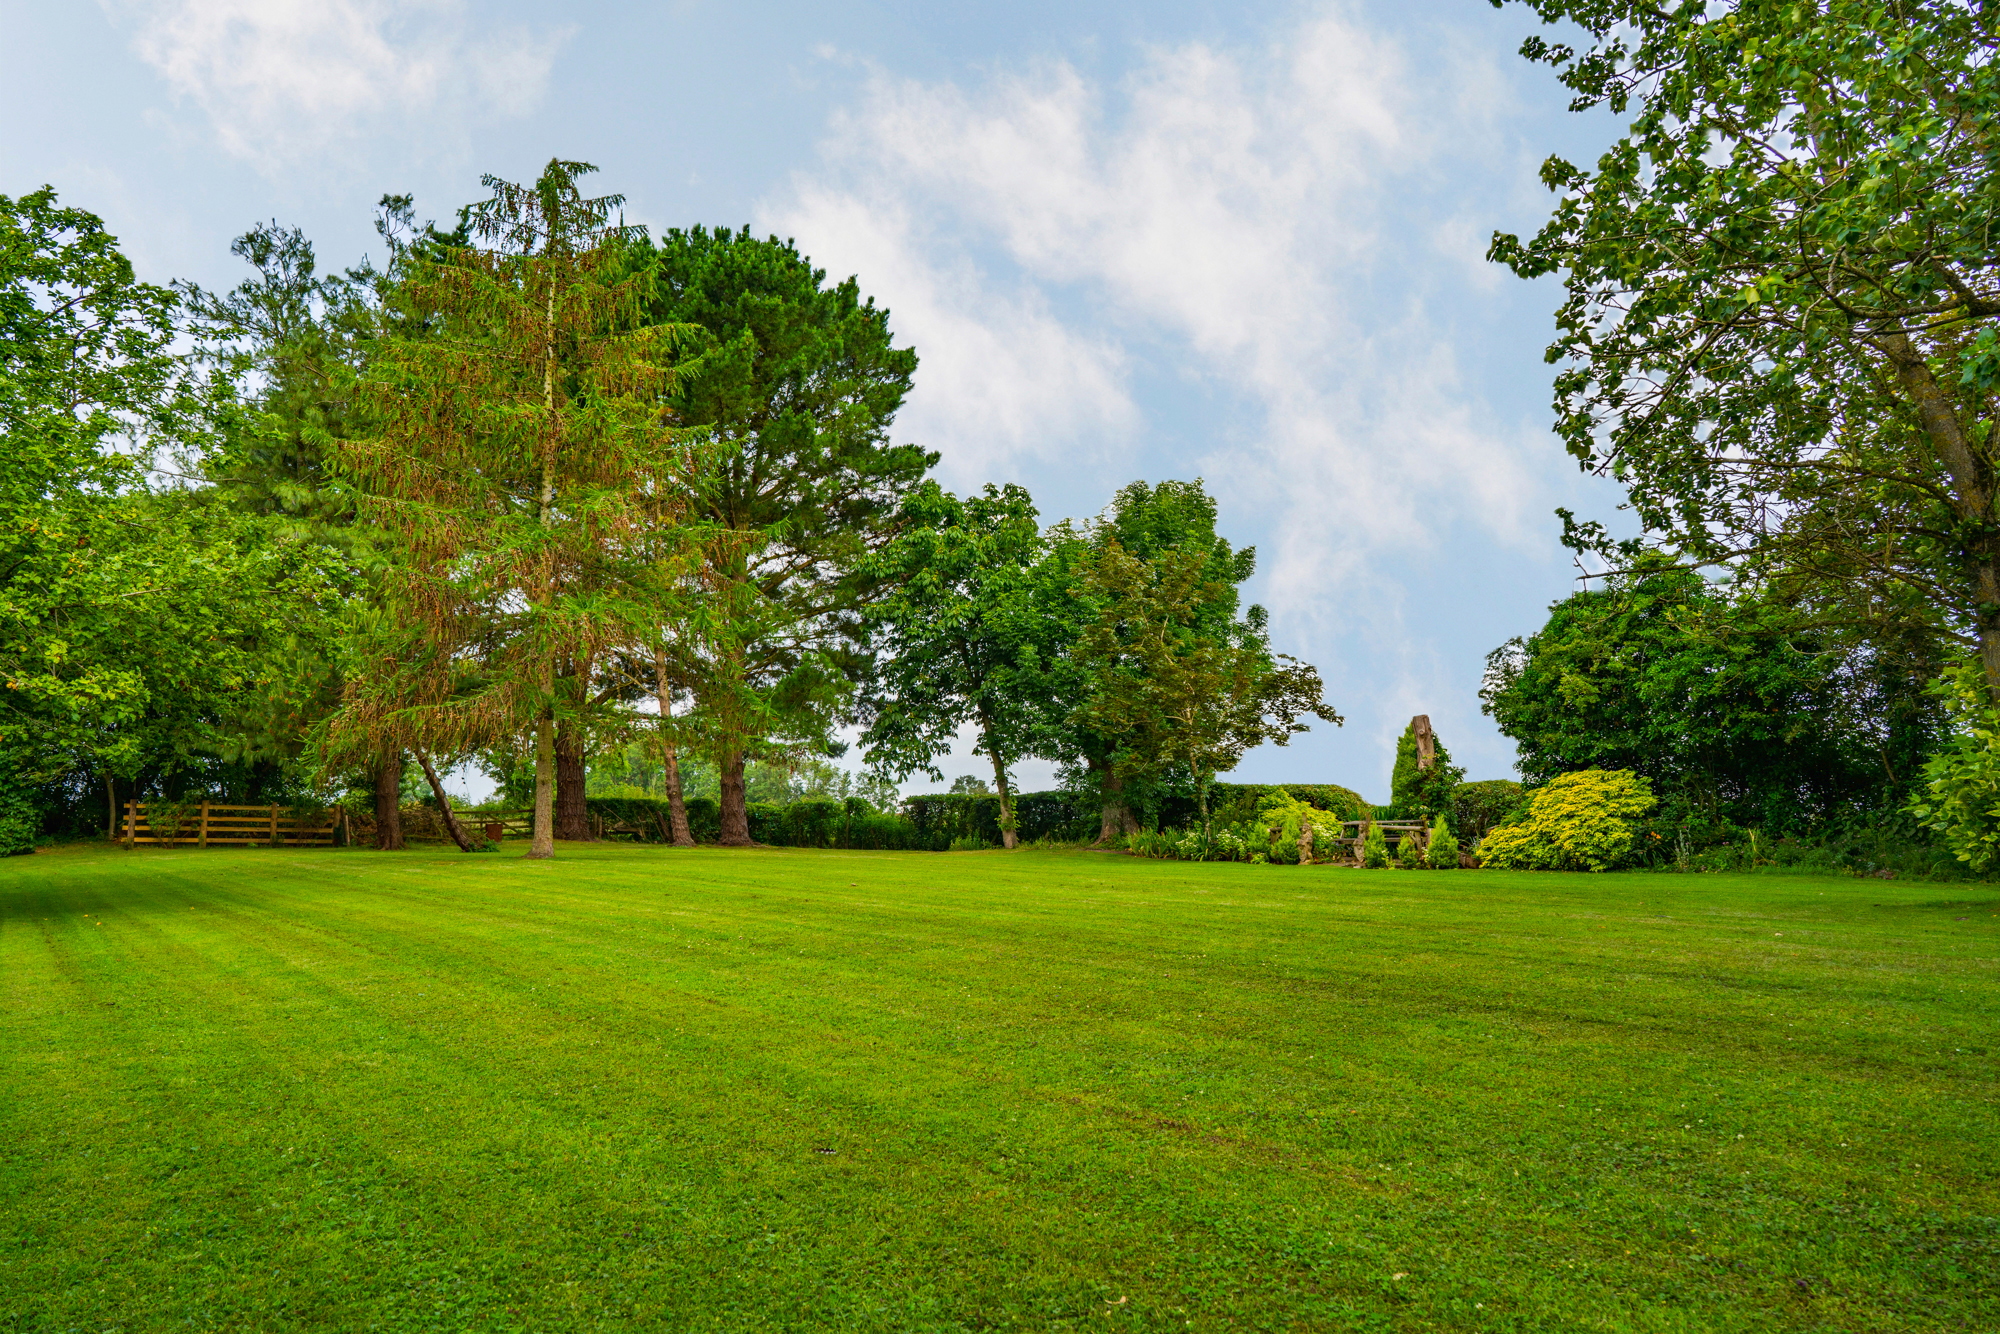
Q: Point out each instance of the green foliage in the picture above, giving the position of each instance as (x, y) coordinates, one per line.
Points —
(1732, 711)
(1170, 672)
(1375, 848)
(1780, 314)
(798, 385)
(1478, 807)
(1576, 822)
(970, 785)
(1147, 597)
(1409, 855)
(143, 636)
(1282, 817)
(1063, 816)
(1222, 843)
(1238, 803)
(956, 633)
(20, 821)
(1960, 797)
(522, 476)
(1442, 854)
(1422, 792)
(816, 822)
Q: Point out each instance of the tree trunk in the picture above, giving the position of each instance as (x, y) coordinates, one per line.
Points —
(389, 801)
(543, 844)
(1118, 818)
(111, 802)
(451, 825)
(677, 811)
(1007, 838)
(735, 810)
(1971, 483)
(572, 816)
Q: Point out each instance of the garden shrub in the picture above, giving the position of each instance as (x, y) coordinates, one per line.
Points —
(1443, 851)
(1408, 855)
(1375, 848)
(1415, 792)
(1280, 811)
(1576, 822)
(1487, 804)
(1960, 798)
(1238, 803)
(20, 822)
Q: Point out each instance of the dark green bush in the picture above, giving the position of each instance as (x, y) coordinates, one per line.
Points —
(20, 822)
(1478, 807)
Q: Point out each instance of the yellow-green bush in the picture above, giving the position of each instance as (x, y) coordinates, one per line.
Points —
(1576, 822)
(1286, 814)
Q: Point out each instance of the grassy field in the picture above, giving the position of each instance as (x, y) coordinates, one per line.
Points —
(645, 1089)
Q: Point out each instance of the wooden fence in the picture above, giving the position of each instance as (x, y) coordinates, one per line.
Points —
(211, 823)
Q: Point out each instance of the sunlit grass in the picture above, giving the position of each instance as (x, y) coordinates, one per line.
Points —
(641, 1088)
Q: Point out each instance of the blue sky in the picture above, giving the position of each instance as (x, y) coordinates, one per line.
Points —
(1127, 240)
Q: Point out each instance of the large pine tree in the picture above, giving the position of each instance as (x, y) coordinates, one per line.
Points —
(523, 454)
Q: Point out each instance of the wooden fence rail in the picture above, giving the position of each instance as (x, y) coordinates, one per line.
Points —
(212, 822)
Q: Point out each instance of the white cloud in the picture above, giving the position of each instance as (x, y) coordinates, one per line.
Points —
(1266, 223)
(283, 80)
(1001, 377)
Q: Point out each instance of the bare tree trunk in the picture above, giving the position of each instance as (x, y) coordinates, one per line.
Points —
(677, 813)
(451, 825)
(543, 844)
(1118, 818)
(572, 816)
(389, 801)
(111, 804)
(735, 809)
(1007, 837)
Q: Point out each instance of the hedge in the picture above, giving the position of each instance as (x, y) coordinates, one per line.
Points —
(650, 814)
(933, 822)
(812, 823)
(950, 815)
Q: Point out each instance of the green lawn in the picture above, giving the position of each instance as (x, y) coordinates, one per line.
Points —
(640, 1088)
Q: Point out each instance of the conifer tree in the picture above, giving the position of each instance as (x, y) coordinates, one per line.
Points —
(523, 450)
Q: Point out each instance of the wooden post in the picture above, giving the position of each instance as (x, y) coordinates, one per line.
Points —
(204, 822)
(274, 822)
(131, 822)
(1426, 744)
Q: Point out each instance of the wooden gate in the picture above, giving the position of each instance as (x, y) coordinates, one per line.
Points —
(212, 822)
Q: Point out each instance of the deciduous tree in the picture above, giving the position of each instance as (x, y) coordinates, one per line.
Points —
(952, 633)
(1781, 296)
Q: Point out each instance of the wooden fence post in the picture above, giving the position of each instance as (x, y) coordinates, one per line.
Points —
(204, 822)
(131, 822)
(274, 822)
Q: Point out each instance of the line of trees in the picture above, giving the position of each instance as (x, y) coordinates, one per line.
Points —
(542, 486)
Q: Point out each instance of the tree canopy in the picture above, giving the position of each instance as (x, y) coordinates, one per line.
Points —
(1779, 321)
